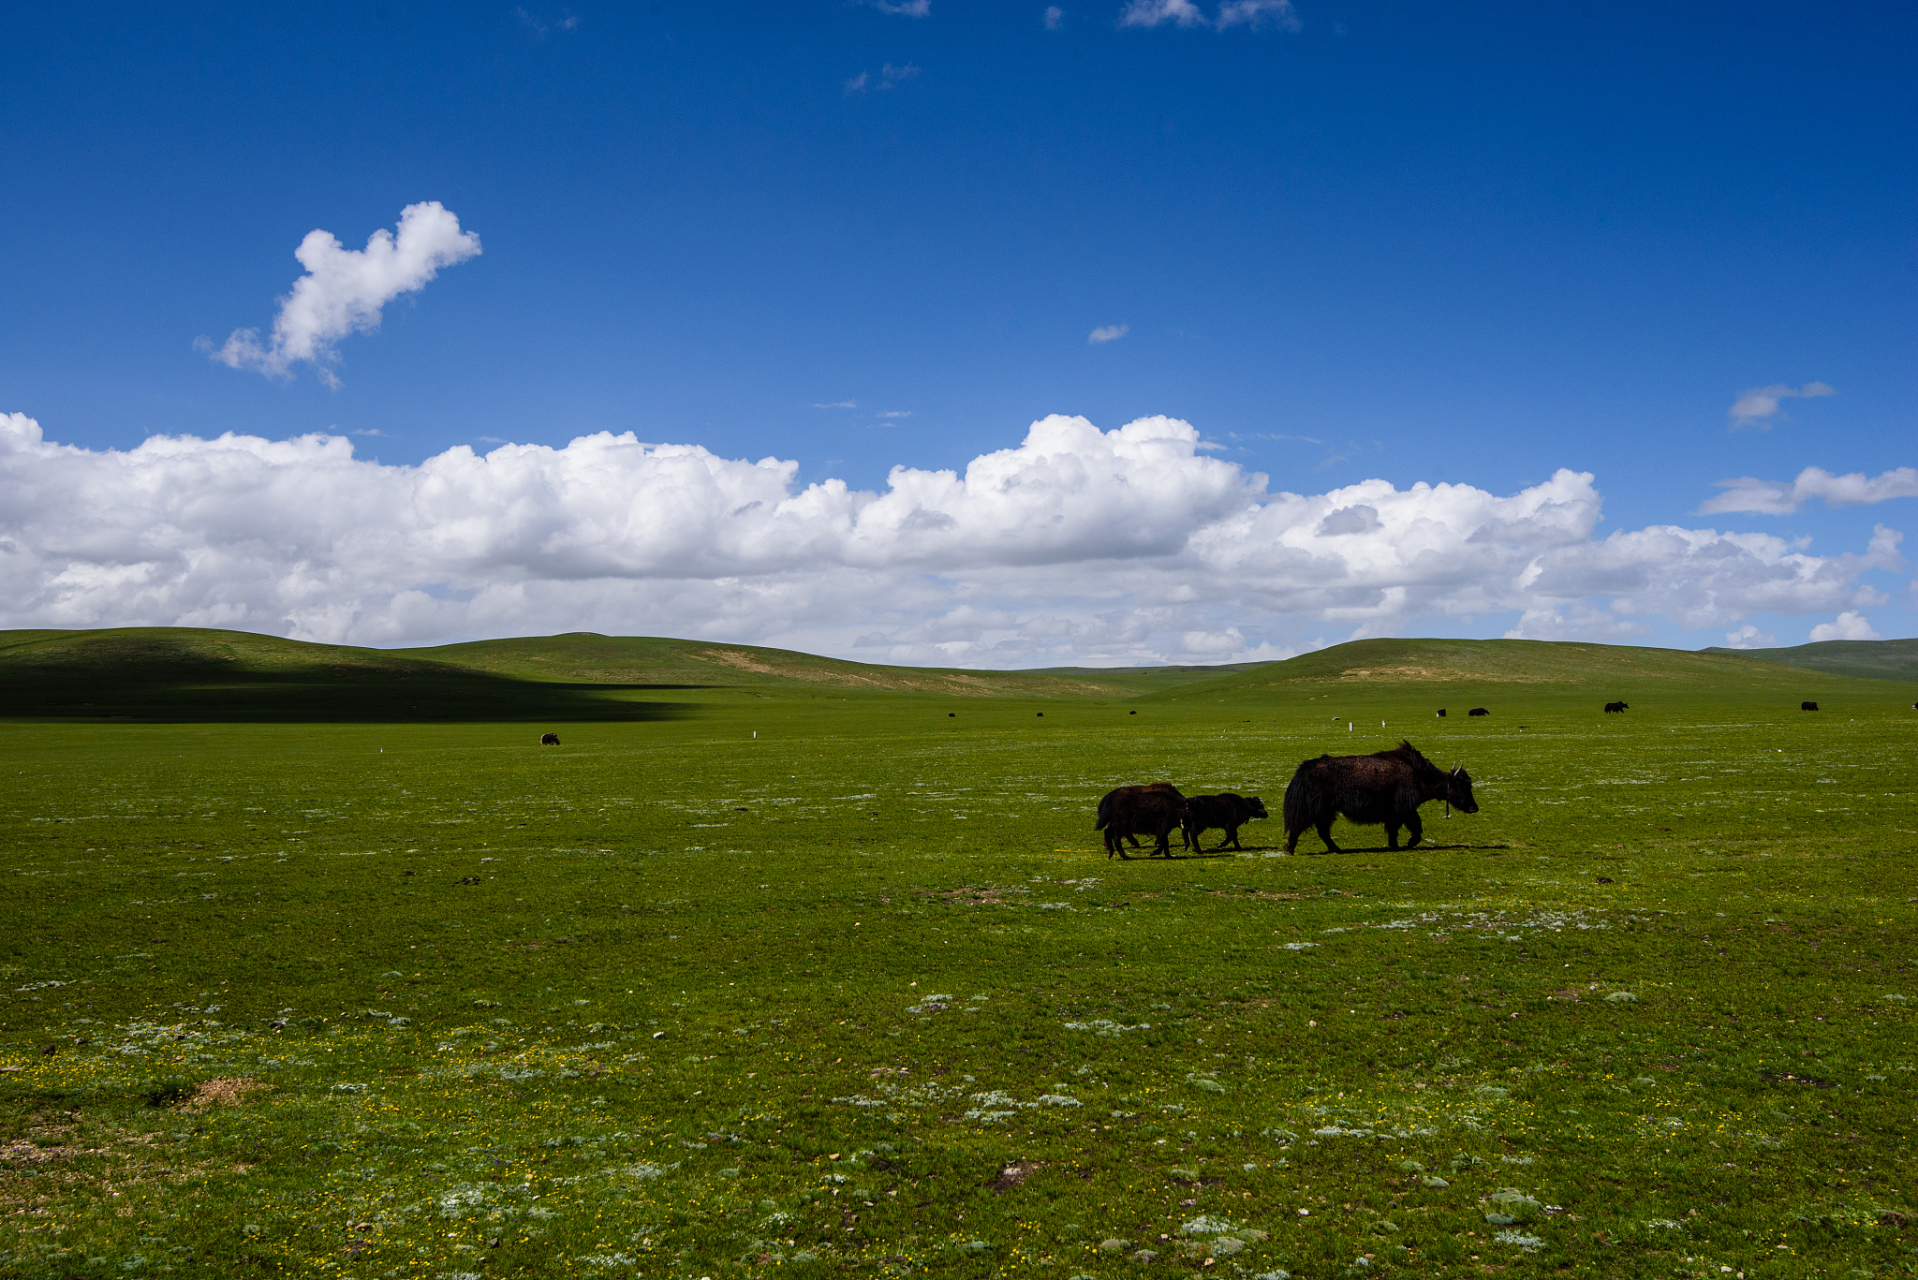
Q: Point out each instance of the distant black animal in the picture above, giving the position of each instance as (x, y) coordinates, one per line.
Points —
(549, 739)
(1441, 713)
(1126, 813)
(1227, 811)
(1615, 706)
(1386, 786)
(1478, 711)
(1808, 706)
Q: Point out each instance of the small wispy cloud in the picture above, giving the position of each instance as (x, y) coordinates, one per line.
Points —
(1756, 407)
(1055, 18)
(889, 77)
(905, 8)
(1778, 498)
(541, 26)
(897, 413)
(344, 289)
(367, 431)
(839, 404)
(1108, 333)
(1252, 14)
(1158, 13)
(1273, 435)
(1257, 14)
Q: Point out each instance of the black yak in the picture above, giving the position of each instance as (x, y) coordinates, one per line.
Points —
(1227, 811)
(1125, 813)
(549, 739)
(1386, 786)
(1808, 706)
(1441, 713)
(1478, 711)
(1615, 706)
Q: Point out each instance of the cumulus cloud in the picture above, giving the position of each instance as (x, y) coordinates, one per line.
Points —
(1778, 498)
(344, 289)
(1850, 625)
(1231, 13)
(1108, 333)
(1076, 545)
(1759, 405)
(1750, 637)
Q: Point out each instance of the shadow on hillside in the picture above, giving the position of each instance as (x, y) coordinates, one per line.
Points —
(174, 688)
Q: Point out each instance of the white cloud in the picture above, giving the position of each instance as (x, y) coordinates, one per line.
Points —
(540, 26)
(1258, 13)
(839, 404)
(1255, 14)
(1108, 333)
(889, 77)
(1054, 18)
(1155, 13)
(905, 8)
(897, 413)
(1776, 498)
(1850, 625)
(1750, 637)
(1077, 545)
(344, 289)
(1757, 406)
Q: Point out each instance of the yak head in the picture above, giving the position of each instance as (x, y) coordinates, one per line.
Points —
(1458, 791)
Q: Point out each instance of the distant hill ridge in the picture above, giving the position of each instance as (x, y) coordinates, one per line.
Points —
(194, 673)
(1863, 659)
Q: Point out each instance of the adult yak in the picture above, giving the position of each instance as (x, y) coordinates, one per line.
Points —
(1615, 706)
(1126, 813)
(1386, 786)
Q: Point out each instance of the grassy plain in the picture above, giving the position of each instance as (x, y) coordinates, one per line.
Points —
(811, 977)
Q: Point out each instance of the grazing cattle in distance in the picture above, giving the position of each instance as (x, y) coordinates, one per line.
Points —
(1614, 706)
(1808, 706)
(1129, 812)
(1385, 787)
(1441, 714)
(1227, 811)
(1478, 711)
(549, 739)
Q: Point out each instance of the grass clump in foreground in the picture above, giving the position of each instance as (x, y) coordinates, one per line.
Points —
(860, 994)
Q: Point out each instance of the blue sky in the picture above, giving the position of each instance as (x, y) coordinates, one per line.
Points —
(1345, 243)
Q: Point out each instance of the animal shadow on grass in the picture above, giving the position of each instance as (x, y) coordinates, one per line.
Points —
(1425, 846)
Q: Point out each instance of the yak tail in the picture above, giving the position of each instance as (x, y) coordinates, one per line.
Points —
(1105, 813)
(1297, 810)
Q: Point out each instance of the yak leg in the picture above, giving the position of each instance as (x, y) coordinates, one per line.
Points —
(1392, 835)
(1232, 834)
(1325, 834)
(1292, 840)
(1417, 829)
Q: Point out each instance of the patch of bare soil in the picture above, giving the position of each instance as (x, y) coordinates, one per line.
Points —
(1442, 675)
(1014, 1174)
(226, 1091)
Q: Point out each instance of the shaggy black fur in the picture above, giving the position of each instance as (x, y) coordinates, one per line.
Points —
(1129, 812)
(1227, 811)
(1385, 787)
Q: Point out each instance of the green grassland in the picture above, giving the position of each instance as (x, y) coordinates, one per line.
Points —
(787, 967)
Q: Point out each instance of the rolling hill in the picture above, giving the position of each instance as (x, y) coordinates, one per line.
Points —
(192, 674)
